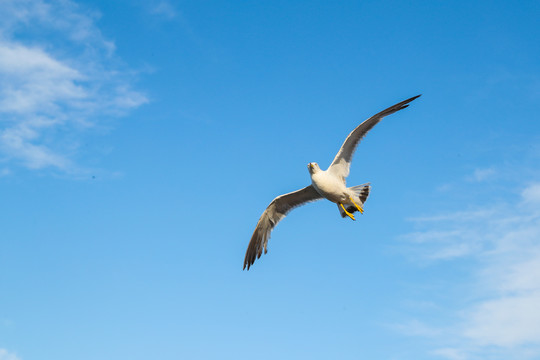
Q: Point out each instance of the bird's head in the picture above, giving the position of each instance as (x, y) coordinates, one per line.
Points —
(313, 167)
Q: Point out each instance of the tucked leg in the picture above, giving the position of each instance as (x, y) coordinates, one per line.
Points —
(346, 212)
(358, 207)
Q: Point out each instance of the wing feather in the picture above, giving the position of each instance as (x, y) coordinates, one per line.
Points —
(342, 162)
(277, 210)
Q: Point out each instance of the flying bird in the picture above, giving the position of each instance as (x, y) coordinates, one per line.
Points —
(328, 184)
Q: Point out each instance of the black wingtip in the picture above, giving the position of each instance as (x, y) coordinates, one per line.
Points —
(413, 98)
(402, 105)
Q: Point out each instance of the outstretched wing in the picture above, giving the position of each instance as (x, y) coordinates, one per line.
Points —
(277, 210)
(342, 162)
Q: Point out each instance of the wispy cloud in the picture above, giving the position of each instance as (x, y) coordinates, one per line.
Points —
(450, 353)
(415, 327)
(6, 355)
(503, 243)
(532, 194)
(59, 76)
(165, 9)
(480, 175)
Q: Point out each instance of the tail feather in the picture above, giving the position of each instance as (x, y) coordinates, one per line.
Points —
(361, 193)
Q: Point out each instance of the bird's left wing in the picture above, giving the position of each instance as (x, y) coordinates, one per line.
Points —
(342, 162)
(277, 210)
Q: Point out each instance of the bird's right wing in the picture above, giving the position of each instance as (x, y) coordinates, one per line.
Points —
(277, 210)
(342, 162)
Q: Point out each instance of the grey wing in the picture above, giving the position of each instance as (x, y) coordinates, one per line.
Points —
(277, 210)
(342, 162)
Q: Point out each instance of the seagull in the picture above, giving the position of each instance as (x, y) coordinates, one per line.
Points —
(328, 184)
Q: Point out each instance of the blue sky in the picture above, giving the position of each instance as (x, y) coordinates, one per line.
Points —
(141, 140)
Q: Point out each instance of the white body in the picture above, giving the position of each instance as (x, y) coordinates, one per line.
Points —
(330, 186)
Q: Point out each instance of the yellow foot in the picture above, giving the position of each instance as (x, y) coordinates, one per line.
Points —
(346, 212)
(358, 207)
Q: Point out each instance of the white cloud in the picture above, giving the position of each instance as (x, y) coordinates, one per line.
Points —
(60, 15)
(35, 82)
(6, 355)
(503, 244)
(61, 79)
(506, 321)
